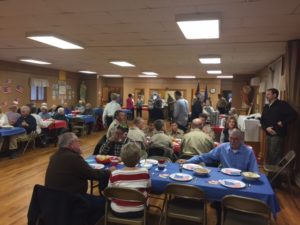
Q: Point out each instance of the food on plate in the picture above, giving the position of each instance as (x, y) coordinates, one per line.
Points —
(202, 171)
(104, 159)
(250, 175)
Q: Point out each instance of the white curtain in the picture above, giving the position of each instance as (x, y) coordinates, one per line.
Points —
(39, 82)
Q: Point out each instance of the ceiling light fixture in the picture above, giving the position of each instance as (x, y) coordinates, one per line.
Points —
(122, 63)
(112, 75)
(54, 41)
(210, 60)
(150, 73)
(186, 77)
(225, 76)
(199, 26)
(87, 72)
(214, 71)
(148, 76)
(34, 61)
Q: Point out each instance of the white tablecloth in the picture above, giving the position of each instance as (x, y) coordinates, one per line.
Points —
(250, 127)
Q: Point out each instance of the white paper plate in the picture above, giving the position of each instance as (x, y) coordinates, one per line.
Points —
(146, 165)
(7, 127)
(181, 177)
(97, 166)
(149, 161)
(232, 183)
(231, 171)
(190, 166)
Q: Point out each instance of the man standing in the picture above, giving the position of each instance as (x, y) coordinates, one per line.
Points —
(275, 118)
(181, 111)
(110, 109)
(221, 104)
(68, 171)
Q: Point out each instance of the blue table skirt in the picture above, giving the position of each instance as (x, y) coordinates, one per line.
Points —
(261, 189)
(11, 131)
(85, 118)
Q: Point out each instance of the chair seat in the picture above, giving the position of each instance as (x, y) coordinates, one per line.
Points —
(271, 168)
(114, 219)
(186, 209)
(236, 218)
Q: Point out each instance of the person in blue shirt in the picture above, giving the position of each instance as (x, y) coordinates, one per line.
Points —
(232, 154)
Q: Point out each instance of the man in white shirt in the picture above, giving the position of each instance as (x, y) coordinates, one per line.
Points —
(181, 111)
(110, 109)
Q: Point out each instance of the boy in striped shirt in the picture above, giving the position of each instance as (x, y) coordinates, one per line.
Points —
(130, 177)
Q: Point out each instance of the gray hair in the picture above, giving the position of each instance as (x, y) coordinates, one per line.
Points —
(237, 132)
(25, 108)
(130, 154)
(113, 96)
(66, 139)
(137, 120)
(61, 110)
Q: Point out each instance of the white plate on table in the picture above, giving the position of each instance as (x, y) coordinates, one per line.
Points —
(97, 166)
(181, 177)
(231, 171)
(190, 166)
(7, 127)
(232, 183)
(149, 161)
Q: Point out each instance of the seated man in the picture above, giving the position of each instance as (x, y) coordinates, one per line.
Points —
(161, 140)
(137, 135)
(68, 110)
(80, 106)
(175, 131)
(68, 171)
(232, 154)
(150, 129)
(114, 144)
(12, 114)
(89, 111)
(26, 121)
(196, 142)
(120, 118)
(3, 118)
(130, 176)
(206, 128)
(60, 115)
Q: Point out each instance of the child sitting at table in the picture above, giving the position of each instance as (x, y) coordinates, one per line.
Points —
(130, 155)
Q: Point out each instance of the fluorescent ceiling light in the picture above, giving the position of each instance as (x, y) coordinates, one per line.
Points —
(87, 72)
(122, 63)
(112, 75)
(54, 41)
(225, 76)
(150, 73)
(214, 71)
(148, 76)
(200, 29)
(210, 60)
(186, 77)
(35, 61)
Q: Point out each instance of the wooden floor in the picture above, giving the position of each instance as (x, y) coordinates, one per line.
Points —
(18, 176)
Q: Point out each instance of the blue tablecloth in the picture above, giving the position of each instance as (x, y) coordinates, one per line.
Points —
(85, 118)
(11, 131)
(127, 111)
(98, 111)
(214, 192)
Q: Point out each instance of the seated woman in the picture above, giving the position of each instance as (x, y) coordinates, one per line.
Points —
(3, 118)
(130, 177)
(231, 124)
(44, 113)
(60, 115)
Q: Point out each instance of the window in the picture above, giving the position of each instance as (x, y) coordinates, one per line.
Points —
(38, 93)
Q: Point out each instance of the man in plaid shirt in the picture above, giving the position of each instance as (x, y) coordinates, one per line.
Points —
(115, 143)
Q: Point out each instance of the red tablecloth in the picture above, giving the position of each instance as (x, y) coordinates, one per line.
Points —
(217, 129)
(58, 124)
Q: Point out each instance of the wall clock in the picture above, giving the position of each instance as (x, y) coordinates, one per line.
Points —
(212, 90)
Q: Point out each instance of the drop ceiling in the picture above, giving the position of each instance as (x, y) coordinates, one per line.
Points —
(144, 32)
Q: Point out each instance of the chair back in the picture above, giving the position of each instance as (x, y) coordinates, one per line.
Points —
(283, 164)
(126, 194)
(50, 206)
(245, 205)
(156, 151)
(287, 159)
(189, 191)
